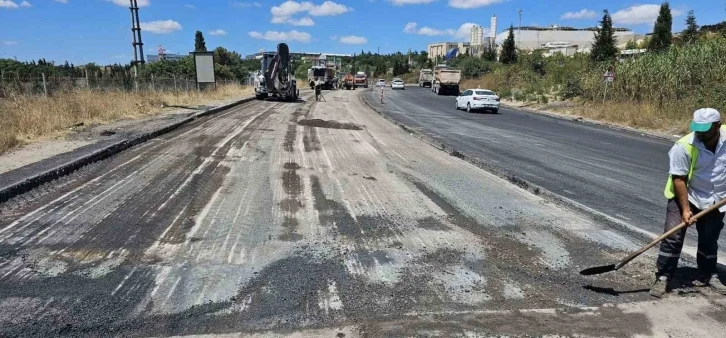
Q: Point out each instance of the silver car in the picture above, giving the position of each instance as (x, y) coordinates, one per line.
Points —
(478, 99)
(381, 83)
(397, 84)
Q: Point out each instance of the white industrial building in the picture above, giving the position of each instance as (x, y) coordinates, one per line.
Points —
(478, 43)
(440, 49)
(560, 39)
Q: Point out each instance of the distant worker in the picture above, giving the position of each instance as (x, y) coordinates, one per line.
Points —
(318, 89)
(697, 180)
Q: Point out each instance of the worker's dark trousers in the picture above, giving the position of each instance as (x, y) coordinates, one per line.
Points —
(709, 228)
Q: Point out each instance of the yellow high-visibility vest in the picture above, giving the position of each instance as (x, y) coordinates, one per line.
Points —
(686, 142)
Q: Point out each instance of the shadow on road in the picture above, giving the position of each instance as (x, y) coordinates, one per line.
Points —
(611, 291)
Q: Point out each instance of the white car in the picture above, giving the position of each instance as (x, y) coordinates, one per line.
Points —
(397, 84)
(381, 83)
(478, 99)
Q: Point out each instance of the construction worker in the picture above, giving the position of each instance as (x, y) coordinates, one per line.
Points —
(697, 180)
(318, 89)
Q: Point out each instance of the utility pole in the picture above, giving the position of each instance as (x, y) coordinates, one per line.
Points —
(138, 45)
(519, 29)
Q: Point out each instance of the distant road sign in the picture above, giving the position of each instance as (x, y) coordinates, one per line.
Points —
(609, 76)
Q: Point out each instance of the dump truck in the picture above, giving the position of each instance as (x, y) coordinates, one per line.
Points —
(277, 78)
(325, 73)
(425, 78)
(361, 80)
(446, 80)
(349, 82)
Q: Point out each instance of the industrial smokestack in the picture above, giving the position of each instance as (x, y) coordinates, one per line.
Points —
(493, 31)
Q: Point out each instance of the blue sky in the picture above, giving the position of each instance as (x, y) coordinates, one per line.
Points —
(82, 31)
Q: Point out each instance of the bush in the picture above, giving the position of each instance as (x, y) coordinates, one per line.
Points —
(571, 88)
(518, 95)
(505, 94)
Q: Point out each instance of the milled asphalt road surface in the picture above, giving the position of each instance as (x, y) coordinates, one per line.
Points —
(618, 173)
(315, 219)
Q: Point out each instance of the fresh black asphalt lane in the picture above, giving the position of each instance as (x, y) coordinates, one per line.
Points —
(619, 173)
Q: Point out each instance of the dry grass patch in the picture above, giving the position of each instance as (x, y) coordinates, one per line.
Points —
(24, 118)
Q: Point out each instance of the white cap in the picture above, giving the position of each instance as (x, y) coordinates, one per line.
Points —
(703, 118)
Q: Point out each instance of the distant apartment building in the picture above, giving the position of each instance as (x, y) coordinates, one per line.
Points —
(303, 55)
(168, 57)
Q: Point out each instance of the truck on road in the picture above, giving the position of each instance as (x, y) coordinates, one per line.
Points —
(349, 82)
(323, 72)
(425, 77)
(277, 78)
(361, 80)
(446, 80)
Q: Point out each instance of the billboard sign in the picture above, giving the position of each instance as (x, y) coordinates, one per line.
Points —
(204, 66)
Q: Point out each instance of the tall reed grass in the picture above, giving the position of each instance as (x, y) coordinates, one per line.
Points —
(24, 118)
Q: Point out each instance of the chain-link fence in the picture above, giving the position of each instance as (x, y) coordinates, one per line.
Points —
(48, 85)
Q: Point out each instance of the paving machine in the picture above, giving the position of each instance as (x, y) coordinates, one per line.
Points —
(277, 78)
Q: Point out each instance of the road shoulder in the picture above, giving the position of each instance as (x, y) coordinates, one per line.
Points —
(49, 159)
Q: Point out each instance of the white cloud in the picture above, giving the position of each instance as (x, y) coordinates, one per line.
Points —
(292, 35)
(461, 33)
(8, 4)
(306, 21)
(329, 8)
(246, 4)
(125, 3)
(353, 40)
(583, 14)
(25, 4)
(410, 28)
(284, 12)
(430, 31)
(161, 26)
(61, 1)
(472, 3)
(120, 56)
(410, 2)
(641, 14)
(218, 32)
(8, 43)
(289, 8)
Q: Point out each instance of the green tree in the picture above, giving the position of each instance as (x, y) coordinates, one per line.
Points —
(690, 34)
(396, 67)
(603, 48)
(509, 50)
(472, 67)
(199, 44)
(662, 34)
(490, 54)
(301, 71)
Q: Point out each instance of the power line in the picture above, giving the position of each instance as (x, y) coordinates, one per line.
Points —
(138, 45)
(519, 29)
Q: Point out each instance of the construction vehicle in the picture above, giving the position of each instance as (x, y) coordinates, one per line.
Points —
(446, 80)
(361, 80)
(425, 78)
(324, 70)
(349, 82)
(277, 78)
(324, 74)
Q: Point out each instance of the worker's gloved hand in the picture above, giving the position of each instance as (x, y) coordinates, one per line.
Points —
(687, 217)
